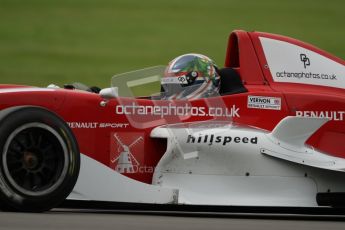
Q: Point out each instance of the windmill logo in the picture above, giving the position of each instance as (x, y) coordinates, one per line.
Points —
(125, 162)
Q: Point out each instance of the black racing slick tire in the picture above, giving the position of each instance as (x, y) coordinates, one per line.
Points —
(39, 159)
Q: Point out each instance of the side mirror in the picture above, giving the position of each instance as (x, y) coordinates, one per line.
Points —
(109, 93)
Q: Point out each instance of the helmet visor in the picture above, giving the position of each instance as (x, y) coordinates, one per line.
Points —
(184, 63)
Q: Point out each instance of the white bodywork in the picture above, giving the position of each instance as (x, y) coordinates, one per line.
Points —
(301, 65)
(217, 163)
(99, 183)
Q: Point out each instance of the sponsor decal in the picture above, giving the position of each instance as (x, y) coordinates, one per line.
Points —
(333, 115)
(305, 60)
(175, 80)
(300, 65)
(174, 110)
(83, 125)
(259, 102)
(113, 125)
(222, 140)
(128, 153)
(95, 125)
(305, 75)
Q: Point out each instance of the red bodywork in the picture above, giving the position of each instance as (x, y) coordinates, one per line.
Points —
(94, 125)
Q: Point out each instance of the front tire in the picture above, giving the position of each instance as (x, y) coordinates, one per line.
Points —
(39, 159)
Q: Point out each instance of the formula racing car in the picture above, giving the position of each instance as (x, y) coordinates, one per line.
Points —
(273, 137)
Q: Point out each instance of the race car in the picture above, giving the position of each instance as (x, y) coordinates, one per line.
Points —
(273, 137)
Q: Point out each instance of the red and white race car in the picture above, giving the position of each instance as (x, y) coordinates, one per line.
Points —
(273, 137)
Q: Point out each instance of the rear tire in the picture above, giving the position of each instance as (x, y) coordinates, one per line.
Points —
(39, 159)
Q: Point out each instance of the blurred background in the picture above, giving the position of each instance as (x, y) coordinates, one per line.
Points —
(88, 41)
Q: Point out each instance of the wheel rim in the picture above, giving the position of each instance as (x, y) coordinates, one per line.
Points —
(35, 159)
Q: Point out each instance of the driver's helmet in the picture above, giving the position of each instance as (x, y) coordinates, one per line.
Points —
(190, 76)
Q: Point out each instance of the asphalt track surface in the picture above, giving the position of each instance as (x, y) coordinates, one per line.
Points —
(85, 220)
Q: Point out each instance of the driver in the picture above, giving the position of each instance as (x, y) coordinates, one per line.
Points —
(190, 76)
